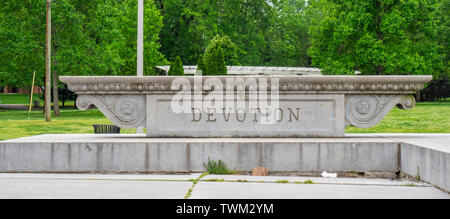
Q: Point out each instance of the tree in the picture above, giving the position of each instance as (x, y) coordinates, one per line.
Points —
(443, 33)
(376, 37)
(288, 34)
(228, 47)
(269, 32)
(215, 63)
(184, 33)
(128, 28)
(93, 37)
(22, 47)
(176, 68)
(201, 65)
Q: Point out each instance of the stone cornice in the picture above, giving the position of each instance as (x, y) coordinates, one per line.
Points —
(288, 84)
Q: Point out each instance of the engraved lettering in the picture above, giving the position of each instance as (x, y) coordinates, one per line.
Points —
(211, 113)
(244, 115)
(194, 118)
(292, 114)
(226, 115)
(280, 115)
(268, 115)
(256, 111)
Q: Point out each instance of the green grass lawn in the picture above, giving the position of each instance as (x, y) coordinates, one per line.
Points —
(15, 124)
(425, 118)
(17, 98)
(428, 117)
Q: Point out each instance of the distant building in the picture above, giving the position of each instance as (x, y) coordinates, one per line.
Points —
(253, 70)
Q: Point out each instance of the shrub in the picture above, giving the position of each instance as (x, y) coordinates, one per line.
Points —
(201, 65)
(215, 63)
(229, 49)
(176, 68)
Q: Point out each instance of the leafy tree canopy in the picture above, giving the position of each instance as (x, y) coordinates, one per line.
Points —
(88, 38)
(375, 37)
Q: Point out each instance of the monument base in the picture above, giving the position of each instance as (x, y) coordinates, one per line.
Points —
(424, 155)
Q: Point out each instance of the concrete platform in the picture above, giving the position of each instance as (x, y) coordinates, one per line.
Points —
(74, 186)
(424, 155)
(235, 190)
(94, 187)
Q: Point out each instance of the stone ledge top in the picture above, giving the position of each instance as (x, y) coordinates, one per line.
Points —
(285, 79)
(438, 142)
(333, 84)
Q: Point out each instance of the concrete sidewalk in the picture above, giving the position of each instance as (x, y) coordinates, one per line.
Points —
(76, 186)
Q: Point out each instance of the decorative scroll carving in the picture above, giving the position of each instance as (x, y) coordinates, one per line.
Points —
(125, 111)
(365, 111)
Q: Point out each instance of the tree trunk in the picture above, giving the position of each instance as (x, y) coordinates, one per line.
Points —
(55, 93)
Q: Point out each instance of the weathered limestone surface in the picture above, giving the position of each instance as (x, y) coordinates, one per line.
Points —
(424, 155)
(135, 153)
(309, 106)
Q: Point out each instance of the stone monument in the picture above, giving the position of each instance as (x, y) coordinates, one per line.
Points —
(252, 106)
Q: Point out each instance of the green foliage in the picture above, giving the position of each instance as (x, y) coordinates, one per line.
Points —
(201, 65)
(217, 167)
(22, 42)
(88, 38)
(375, 37)
(176, 68)
(438, 89)
(443, 33)
(99, 37)
(64, 95)
(272, 32)
(228, 47)
(215, 62)
(288, 35)
(128, 29)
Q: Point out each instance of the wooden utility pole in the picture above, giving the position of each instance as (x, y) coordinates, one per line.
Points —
(48, 65)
